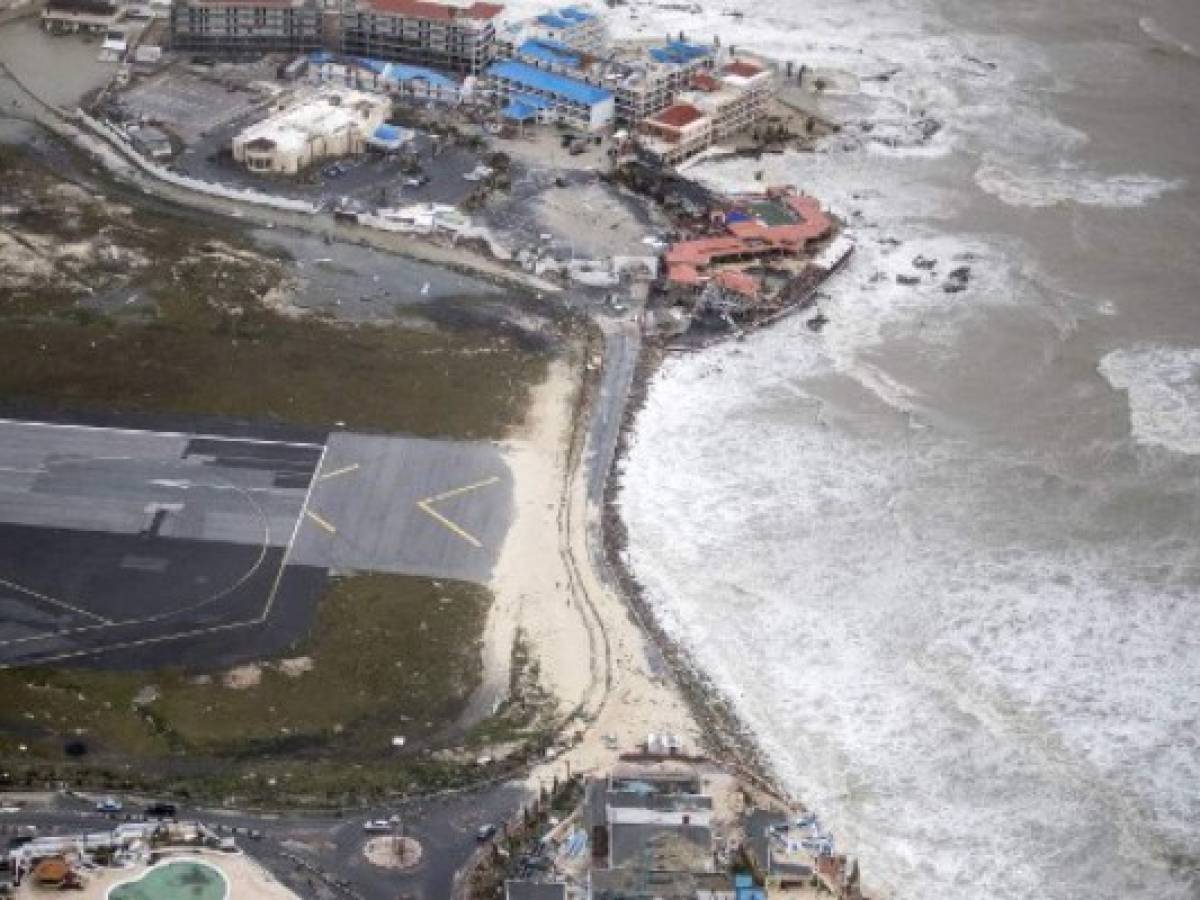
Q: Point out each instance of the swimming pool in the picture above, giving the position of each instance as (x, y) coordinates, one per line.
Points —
(177, 879)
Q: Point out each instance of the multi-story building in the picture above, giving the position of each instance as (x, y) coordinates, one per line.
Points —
(398, 79)
(69, 16)
(535, 94)
(246, 26)
(572, 27)
(444, 35)
(646, 84)
(717, 106)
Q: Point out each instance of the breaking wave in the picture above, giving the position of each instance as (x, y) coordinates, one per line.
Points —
(1163, 386)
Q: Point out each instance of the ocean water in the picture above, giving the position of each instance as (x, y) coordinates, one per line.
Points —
(945, 555)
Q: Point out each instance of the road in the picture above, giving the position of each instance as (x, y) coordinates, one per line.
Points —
(330, 846)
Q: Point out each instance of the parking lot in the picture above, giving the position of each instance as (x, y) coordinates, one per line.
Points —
(191, 105)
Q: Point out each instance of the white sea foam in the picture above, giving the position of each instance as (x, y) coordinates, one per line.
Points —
(1152, 29)
(1163, 385)
(1038, 186)
(976, 659)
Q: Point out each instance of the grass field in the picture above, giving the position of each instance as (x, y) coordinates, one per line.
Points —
(104, 306)
(388, 656)
(114, 308)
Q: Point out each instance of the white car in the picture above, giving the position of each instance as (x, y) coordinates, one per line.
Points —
(109, 805)
(376, 826)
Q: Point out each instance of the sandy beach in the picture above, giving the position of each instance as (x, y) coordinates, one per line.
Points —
(593, 657)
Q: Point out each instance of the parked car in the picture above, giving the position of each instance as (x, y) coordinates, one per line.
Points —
(109, 805)
(416, 181)
(485, 832)
(161, 810)
(377, 826)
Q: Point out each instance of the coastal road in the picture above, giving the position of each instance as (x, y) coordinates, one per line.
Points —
(622, 347)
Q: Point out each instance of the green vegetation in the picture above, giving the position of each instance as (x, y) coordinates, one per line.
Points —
(141, 310)
(388, 656)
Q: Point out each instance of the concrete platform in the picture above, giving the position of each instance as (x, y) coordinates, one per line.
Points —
(407, 506)
(134, 549)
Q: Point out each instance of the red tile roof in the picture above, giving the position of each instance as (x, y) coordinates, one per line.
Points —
(752, 239)
(738, 282)
(705, 82)
(682, 273)
(679, 114)
(438, 12)
(742, 68)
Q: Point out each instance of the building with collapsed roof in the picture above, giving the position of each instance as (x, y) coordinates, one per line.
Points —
(331, 122)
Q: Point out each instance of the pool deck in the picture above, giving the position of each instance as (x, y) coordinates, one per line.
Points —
(247, 880)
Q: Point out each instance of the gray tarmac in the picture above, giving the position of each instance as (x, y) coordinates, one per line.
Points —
(134, 549)
(407, 506)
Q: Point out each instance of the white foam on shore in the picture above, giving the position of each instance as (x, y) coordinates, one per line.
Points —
(925, 670)
(985, 698)
(1152, 29)
(1163, 386)
(1036, 187)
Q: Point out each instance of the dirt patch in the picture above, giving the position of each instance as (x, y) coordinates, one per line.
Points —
(393, 852)
(242, 677)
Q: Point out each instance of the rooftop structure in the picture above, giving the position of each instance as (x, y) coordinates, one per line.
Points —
(571, 26)
(781, 225)
(245, 26)
(382, 76)
(566, 99)
(716, 106)
(447, 35)
(646, 82)
(332, 122)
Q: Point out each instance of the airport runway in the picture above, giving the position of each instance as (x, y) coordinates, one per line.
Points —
(132, 548)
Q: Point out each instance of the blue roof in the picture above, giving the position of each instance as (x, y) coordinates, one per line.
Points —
(387, 133)
(390, 70)
(679, 52)
(518, 111)
(551, 52)
(533, 78)
(567, 17)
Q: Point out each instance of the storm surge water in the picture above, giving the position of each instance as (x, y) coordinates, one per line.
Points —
(943, 555)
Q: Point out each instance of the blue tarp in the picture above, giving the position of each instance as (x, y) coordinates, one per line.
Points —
(736, 215)
(517, 111)
(551, 52)
(679, 52)
(567, 17)
(532, 78)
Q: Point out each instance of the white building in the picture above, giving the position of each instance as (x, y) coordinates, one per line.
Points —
(398, 79)
(717, 106)
(331, 122)
(571, 26)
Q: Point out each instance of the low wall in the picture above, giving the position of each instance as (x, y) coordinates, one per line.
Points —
(244, 195)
